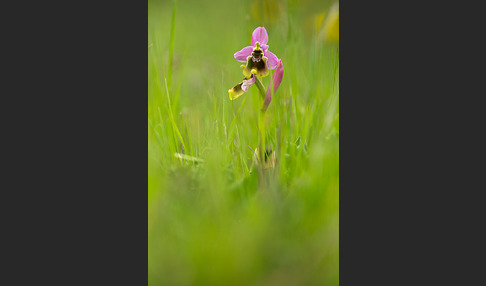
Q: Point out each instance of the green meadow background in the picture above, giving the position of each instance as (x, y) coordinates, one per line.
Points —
(212, 218)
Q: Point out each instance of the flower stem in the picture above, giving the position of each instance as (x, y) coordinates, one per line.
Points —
(260, 87)
(261, 148)
(261, 122)
(261, 135)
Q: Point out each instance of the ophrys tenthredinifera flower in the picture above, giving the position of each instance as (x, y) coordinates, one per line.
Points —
(259, 60)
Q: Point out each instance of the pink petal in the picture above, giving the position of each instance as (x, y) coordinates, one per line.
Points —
(272, 59)
(259, 35)
(276, 79)
(246, 85)
(243, 54)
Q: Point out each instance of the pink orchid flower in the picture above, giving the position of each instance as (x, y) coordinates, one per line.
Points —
(259, 60)
(260, 36)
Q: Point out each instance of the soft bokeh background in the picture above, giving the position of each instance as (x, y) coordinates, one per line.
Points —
(211, 222)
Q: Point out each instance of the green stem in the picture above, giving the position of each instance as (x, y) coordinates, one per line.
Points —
(261, 148)
(261, 134)
(260, 87)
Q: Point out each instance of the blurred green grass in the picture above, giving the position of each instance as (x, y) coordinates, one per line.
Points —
(211, 222)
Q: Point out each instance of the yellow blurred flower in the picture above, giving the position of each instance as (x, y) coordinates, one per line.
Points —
(319, 20)
(331, 24)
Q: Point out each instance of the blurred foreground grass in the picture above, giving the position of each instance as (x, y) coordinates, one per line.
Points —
(211, 222)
